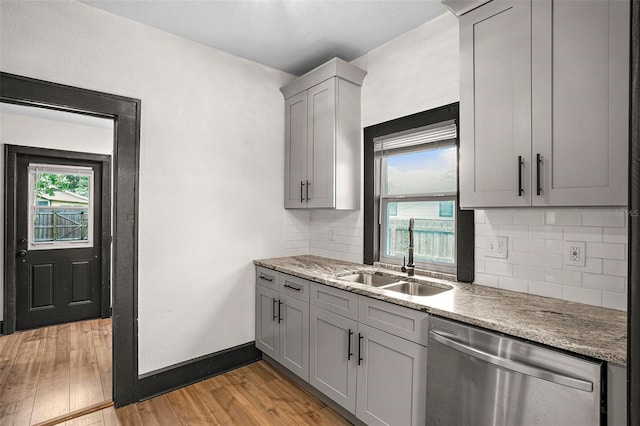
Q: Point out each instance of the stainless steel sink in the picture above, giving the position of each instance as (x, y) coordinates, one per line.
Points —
(395, 283)
(372, 279)
(416, 289)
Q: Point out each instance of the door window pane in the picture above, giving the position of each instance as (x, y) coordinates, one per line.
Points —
(434, 230)
(431, 171)
(61, 206)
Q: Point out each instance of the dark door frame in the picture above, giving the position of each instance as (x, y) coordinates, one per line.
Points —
(11, 153)
(126, 115)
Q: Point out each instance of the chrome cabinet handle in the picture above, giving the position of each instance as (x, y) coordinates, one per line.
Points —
(538, 164)
(512, 365)
(520, 163)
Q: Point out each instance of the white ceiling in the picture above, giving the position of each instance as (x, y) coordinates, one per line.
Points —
(291, 35)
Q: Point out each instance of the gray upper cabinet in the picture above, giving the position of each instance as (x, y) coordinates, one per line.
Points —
(495, 104)
(544, 104)
(322, 137)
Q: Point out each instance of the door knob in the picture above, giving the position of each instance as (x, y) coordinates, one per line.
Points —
(22, 253)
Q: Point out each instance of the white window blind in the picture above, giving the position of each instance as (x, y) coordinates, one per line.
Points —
(439, 132)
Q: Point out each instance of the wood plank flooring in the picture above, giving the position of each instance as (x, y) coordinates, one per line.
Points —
(51, 371)
(253, 395)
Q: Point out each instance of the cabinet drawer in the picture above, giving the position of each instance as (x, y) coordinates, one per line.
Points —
(295, 287)
(268, 278)
(338, 301)
(400, 321)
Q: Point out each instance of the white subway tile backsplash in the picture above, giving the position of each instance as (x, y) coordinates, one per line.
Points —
(499, 217)
(604, 218)
(485, 229)
(614, 267)
(535, 273)
(528, 217)
(553, 261)
(480, 266)
(582, 233)
(562, 218)
(479, 217)
(607, 250)
(604, 282)
(513, 284)
(554, 247)
(559, 276)
(582, 295)
(614, 301)
(615, 235)
(546, 232)
(486, 279)
(513, 231)
(545, 289)
(497, 268)
(529, 245)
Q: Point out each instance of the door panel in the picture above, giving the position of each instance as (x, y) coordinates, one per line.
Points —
(295, 151)
(495, 107)
(294, 336)
(267, 326)
(322, 129)
(57, 285)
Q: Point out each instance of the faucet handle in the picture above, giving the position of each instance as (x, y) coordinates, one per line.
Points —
(404, 264)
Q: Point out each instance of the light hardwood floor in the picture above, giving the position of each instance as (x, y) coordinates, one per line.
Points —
(255, 394)
(51, 371)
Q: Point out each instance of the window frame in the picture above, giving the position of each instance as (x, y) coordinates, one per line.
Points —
(464, 240)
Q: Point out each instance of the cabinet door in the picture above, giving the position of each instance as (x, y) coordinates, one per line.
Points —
(267, 326)
(294, 336)
(295, 157)
(333, 365)
(495, 105)
(580, 101)
(322, 133)
(392, 379)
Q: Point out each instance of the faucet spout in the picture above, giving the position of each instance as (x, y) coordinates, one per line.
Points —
(410, 266)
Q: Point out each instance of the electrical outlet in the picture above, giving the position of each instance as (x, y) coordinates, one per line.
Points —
(332, 234)
(497, 247)
(574, 253)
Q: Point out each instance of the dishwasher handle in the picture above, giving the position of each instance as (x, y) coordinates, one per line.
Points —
(513, 365)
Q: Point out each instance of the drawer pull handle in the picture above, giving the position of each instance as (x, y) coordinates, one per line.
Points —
(292, 287)
(349, 353)
(262, 277)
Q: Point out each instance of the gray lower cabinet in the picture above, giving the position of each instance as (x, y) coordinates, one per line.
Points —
(332, 357)
(378, 376)
(392, 379)
(282, 320)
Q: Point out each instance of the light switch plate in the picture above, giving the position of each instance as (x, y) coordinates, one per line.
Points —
(497, 247)
(575, 253)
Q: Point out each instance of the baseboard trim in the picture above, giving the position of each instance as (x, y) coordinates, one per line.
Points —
(188, 372)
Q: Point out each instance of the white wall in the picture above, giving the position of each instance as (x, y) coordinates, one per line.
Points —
(50, 131)
(211, 167)
(419, 70)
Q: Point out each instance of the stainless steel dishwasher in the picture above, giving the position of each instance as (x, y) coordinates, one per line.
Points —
(478, 378)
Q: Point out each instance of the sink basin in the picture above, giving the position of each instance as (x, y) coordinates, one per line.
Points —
(416, 289)
(372, 279)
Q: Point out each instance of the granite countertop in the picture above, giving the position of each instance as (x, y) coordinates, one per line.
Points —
(583, 329)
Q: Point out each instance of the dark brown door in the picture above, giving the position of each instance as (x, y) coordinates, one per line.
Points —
(59, 247)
